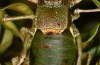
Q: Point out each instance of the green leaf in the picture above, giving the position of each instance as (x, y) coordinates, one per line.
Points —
(6, 41)
(94, 51)
(91, 35)
(97, 3)
(12, 27)
(95, 55)
(19, 7)
(9, 25)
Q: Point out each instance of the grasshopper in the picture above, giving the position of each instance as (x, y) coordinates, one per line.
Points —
(56, 36)
(59, 39)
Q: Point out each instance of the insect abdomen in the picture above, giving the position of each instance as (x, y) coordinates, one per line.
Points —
(53, 50)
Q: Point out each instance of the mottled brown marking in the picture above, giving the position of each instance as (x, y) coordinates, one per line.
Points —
(45, 45)
(53, 31)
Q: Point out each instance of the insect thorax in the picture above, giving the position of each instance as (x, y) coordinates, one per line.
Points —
(52, 3)
(52, 19)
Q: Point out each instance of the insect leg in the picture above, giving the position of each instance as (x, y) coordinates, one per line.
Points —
(77, 37)
(27, 43)
(23, 32)
(78, 11)
(5, 18)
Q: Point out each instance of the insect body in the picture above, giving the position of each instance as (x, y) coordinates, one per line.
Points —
(55, 44)
(52, 19)
(53, 35)
(53, 49)
(53, 38)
